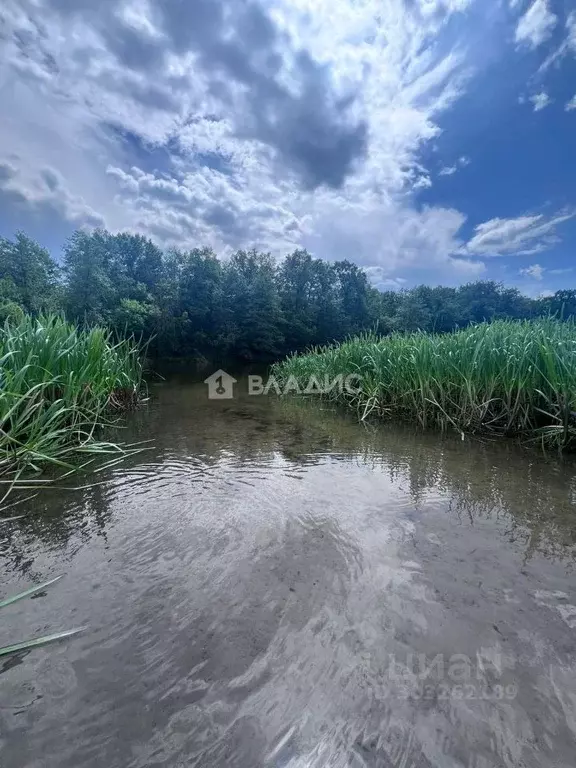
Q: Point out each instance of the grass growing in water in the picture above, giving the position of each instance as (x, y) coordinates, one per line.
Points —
(506, 377)
(37, 641)
(58, 385)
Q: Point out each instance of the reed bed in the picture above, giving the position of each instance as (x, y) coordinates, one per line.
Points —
(504, 378)
(58, 387)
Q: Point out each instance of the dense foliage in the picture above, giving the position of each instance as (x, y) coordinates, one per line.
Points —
(58, 384)
(502, 378)
(247, 306)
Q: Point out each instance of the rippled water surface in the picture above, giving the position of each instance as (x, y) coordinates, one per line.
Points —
(272, 584)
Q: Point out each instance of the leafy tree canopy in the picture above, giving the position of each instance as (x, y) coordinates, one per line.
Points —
(249, 306)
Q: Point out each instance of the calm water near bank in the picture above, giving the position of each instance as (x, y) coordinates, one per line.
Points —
(273, 584)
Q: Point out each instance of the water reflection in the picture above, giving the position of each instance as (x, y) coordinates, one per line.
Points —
(195, 441)
(258, 583)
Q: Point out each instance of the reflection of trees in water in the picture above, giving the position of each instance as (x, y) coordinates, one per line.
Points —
(538, 496)
(54, 518)
(189, 434)
(481, 478)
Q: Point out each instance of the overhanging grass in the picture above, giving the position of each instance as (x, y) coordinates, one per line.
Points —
(506, 377)
(58, 386)
(38, 641)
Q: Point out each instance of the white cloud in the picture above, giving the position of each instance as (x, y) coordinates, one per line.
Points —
(567, 46)
(521, 236)
(571, 31)
(422, 182)
(534, 271)
(44, 191)
(377, 277)
(540, 101)
(570, 105)
(142, 135)
(536, 25)
(450, 170)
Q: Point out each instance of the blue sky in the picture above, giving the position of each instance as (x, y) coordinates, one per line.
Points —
(426, 140)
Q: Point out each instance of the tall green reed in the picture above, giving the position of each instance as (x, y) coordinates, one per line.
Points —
(58, 387)
(506, 378)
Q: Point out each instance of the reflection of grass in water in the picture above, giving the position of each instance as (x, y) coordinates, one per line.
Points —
(503, 378)
(480, 479)
(477, 479)
(57, 386)
(38, 641)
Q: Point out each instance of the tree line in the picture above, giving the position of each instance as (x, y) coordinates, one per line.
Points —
(249, 306)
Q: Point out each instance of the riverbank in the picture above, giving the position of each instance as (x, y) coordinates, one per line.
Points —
(508, 378)
(59, 386)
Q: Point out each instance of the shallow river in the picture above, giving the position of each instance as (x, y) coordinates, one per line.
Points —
(273, 584)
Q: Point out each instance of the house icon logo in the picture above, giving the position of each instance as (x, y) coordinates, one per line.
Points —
(220, 385)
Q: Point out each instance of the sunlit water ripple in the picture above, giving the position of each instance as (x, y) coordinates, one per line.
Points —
(258, 585)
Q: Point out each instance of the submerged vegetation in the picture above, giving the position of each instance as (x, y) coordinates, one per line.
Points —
(502, 378)
(58, 387)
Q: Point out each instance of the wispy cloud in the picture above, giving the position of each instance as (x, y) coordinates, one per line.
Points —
(567, 46)
(537, 271)
(536, 25)
(521, 236)
(540, 101)
(534, 271)
(570, 105)
(378, 278)
(450, 170)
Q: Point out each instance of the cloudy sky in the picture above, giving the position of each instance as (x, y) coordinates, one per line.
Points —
(426, 140)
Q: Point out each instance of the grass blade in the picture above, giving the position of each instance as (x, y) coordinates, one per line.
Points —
(39, 641)
(32, 591)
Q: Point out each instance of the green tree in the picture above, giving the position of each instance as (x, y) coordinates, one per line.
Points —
(28, 275)
(200, 296)
(562, 304)
(193, 303)
(137, 318)
(90, 294)
(310, 301)
(254, 319)
(354, 297)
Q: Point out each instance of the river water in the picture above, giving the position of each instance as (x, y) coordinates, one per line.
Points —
(273, 584)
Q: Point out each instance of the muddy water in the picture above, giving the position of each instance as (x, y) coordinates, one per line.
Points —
(272, 584)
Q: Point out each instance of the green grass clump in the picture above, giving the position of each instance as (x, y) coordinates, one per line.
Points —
(503, 378)
(58, 386)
